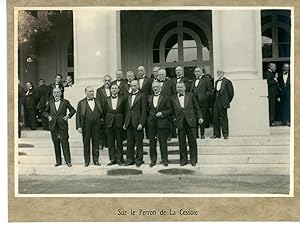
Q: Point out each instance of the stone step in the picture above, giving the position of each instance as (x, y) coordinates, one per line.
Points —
(200, 169)
(203, 159)
(221, 150)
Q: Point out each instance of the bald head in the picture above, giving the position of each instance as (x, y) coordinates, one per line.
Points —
(141, 71)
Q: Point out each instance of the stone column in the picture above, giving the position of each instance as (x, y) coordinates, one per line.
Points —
(237, 49)
(96, 52)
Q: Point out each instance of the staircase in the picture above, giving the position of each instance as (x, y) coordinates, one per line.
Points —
(249, 155)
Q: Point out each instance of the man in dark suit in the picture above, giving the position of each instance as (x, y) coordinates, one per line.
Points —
(223, 95)
(144, 82)
(43, 94)
(285, 94)
(202, 89)
(21, 101)
(57, 84)
(166, 88)
(273, 94)
(102, 94)
(89, 119)
(68, 82)
(187, 115)
(56, 113)
(30, 105)
(120, 82)
(179, 78)
(154, 74)
(135, 118)
(159, 108)
(127, 89)
(114, 111)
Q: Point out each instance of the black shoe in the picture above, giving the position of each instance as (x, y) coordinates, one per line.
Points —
(111, 163)
(214, 137)
(226, 137)
(129, 163)
(203, 137)
(120, 163)
(86, 164)
(69, 165)
(97, 163)
(57, 164)
(152, 164)
(193, 164)
(139, 164)
(183, 164)
(165, 164)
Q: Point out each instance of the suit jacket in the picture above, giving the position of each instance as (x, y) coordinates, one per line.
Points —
(191, 111)
(101, 95)
(166, 89)
(272, 84)
(43, 94)
(226, 92)
(202, 91)
(53, 86)
(81, 109)
(30, 99)
(146, 88)
(116, 116)
(121, 86)
(137, 112)
(126, 88)
(163, 106)
(183, 79)
(57, 115)
(284, 87)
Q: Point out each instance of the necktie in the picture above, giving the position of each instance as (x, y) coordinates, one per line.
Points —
(90, 99)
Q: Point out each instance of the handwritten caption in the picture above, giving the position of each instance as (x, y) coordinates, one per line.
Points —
(160, 212)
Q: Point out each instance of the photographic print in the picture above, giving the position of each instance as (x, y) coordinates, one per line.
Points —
(153, 103)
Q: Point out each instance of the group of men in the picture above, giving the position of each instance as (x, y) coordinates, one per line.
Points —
(32, 101)
(125, 108)
(279, 93)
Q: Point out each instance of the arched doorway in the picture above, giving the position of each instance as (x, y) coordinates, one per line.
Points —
(181, 42)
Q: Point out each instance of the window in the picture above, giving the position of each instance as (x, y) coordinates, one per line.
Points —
(181, 43)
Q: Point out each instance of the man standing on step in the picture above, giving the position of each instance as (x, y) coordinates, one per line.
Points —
(223, 95)
(202, 88)
(56, 113)
(159, 108)
(187, 116)
(89, 120)
(43, 94)
(114, 110)
(135, 118)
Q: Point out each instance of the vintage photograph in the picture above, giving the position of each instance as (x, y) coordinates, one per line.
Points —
(154, 101)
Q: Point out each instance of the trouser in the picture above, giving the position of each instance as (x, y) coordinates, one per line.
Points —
(134, 138)
(272, 108)
(61, 141)
(190, 133)
(162, 136)
(31, 118)
(91, 133)
(115, 144)
(204, 110)
(220, 119)
(45, 122)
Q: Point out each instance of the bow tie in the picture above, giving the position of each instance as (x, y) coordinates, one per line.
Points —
(57, 100)
(155, 95)
(179, 77)
(220, 79)
(114, 97)
(285, 73)
(162, 81)
(180, 94)
(90, 99)
(134, 93)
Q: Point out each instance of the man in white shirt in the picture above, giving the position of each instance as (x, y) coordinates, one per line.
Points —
(285, 94)
(89, 122)
(57, 114)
